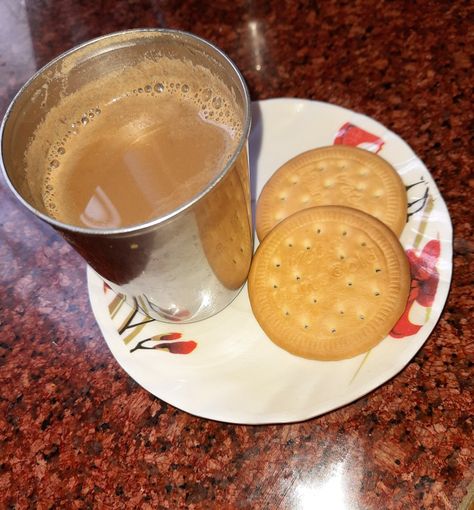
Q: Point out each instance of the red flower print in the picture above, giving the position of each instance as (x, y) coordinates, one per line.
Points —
(424, 272)
(178, 347)
(349, 134)
(185, 347)
(168, 336)
(424, 283)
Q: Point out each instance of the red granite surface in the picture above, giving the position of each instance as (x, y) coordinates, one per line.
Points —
(77, 432)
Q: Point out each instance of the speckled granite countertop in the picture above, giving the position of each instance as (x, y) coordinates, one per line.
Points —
(77, 432)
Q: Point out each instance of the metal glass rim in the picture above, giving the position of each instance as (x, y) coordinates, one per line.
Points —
(140, 227)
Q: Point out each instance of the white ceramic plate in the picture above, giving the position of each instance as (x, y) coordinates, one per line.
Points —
(225, 368)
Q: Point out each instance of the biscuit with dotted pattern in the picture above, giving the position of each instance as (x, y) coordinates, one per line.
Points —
(335, 175)
(329, 283)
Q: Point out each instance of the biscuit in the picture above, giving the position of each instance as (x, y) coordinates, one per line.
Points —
(329, 283)
(335, 175)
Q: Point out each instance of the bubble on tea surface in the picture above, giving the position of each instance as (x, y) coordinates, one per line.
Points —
(54, 163)
(61, 150)
(98, 111)
(84, 120)
(206, 94)
(210, 101)
(140, 90)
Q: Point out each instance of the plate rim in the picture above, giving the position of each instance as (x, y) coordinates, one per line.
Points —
(334, 403)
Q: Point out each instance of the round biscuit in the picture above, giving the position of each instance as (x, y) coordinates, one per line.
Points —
(335, 175)
(329, 283)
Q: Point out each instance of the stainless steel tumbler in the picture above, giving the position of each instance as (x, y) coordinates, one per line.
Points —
(186, 265)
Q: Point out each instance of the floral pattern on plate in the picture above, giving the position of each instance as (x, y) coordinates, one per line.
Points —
(230, 371)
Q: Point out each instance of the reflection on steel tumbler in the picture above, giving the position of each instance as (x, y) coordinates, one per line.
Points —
(134, 147)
